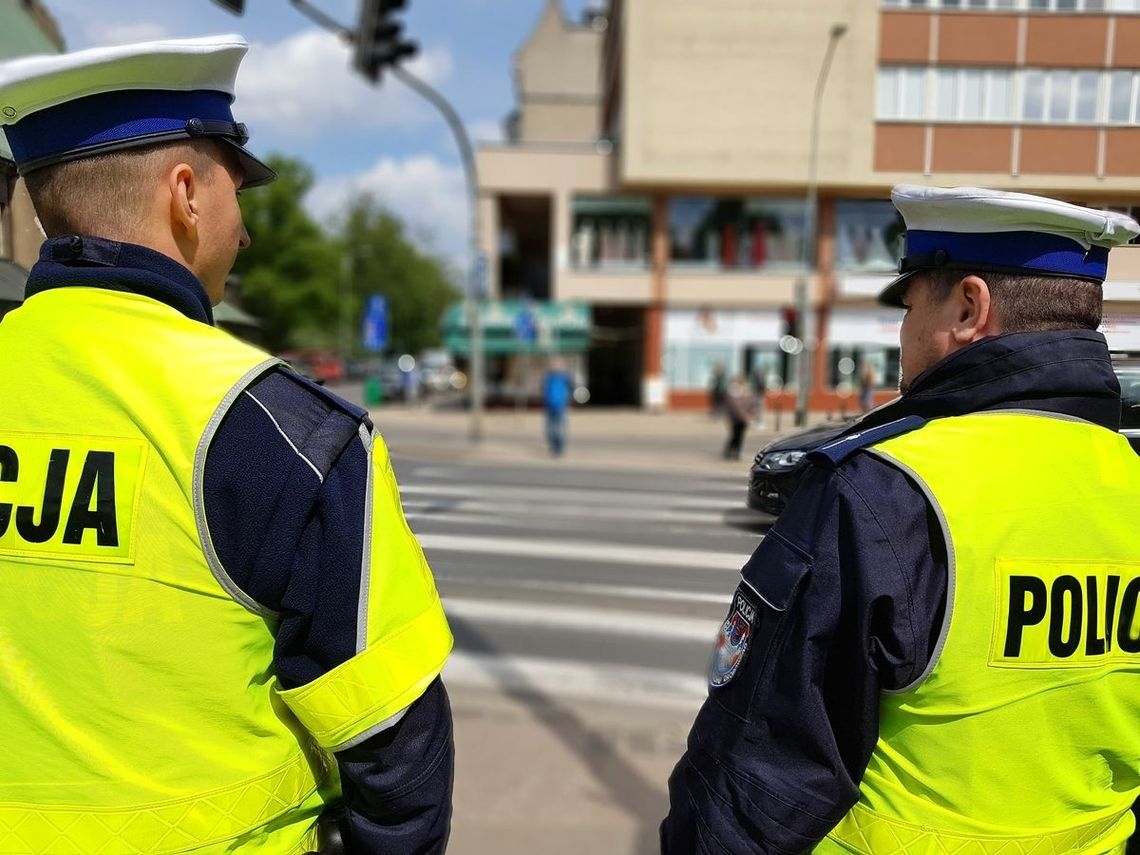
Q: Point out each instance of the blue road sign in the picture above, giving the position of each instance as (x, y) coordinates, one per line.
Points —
(526, 328)
(374, 336)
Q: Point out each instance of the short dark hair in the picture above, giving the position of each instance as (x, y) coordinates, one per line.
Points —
(104, 195)
(1031, 303)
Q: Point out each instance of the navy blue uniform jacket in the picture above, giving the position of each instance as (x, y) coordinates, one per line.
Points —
(776, 754)
(285, 483)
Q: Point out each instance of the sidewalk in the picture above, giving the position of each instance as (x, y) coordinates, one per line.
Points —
(597, 438)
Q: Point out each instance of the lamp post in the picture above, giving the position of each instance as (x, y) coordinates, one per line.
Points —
(475, 270)
(807, 251)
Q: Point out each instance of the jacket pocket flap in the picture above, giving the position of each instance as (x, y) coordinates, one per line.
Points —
(775, 570)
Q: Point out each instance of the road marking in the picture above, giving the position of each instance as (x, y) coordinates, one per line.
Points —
(583, 619)
(592, 588)
(620, 684)
(608, 553)
(563, 495)
(462, 474)
(595, 511)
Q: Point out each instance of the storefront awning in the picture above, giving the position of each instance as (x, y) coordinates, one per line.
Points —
(520, 326)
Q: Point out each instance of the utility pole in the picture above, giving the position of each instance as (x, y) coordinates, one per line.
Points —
(807, 251)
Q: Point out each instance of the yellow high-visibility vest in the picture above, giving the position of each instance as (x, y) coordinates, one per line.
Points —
(1023, 735)
(140, 710)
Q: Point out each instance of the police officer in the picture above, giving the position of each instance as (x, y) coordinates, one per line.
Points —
(216, 630)
(936, 647)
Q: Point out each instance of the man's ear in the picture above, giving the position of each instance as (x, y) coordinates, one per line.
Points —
(974, 317)
(182, 185)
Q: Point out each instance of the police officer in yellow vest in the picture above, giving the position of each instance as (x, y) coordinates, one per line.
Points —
(216, 631)
(936, 649)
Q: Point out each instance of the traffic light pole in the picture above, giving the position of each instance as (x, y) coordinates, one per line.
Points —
(473, 295)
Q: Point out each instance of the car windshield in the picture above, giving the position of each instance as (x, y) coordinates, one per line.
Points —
(1129, 377)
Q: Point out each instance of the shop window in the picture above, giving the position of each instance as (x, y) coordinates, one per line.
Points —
(867, 235)
(610, 232)
(736, 233)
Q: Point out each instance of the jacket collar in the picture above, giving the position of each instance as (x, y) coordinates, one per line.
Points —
(1066, 372)
(99, 263)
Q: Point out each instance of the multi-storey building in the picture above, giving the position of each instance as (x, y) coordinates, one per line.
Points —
(659, 161)
(26, 27)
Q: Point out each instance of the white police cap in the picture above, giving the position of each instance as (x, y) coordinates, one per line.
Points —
(60, 107)
(979, 230)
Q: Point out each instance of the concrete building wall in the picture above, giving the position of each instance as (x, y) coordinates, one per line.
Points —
(721, 93)
(559, 121)
(558, 78)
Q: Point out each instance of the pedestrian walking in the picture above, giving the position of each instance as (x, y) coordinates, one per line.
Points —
(866, 386)
(718, 388)
(557, 392)
(219, 634)
(738, 409)
(936, 648)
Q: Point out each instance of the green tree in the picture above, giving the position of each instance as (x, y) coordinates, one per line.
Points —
(381, 260)
(288, 277)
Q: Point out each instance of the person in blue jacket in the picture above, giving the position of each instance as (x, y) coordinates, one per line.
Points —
(557, 393)
(847, 597)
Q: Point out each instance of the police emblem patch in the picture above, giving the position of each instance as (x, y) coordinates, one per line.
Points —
(732, 643)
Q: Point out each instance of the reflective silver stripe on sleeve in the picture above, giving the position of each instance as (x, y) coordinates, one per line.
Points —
(198, 492)
(367, 439)
(379, 727)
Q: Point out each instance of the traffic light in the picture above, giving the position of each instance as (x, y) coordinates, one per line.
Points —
(235, 6)
(379, 38)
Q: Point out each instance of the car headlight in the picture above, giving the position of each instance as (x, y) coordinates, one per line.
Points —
(782, 459)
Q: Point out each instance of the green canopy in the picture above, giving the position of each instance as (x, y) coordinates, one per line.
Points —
(520, 326)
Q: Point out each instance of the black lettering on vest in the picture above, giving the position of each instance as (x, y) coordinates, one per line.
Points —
(42, 531)
(1128, 642)
(1110, 594)
(1060, 644)
(9, 471)
(1094, 644)
(1022, 614)
(98, 480)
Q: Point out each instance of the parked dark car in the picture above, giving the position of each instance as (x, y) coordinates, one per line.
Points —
(777, 469)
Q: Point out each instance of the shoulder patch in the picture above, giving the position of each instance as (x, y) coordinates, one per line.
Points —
(840, 449)
(333, 401)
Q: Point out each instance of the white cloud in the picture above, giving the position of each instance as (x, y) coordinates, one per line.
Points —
(303, 86)
(427, 194)
(101, 33)
(486, 131)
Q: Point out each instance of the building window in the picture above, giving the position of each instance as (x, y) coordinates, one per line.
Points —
(1060, 6)
(1122, 97)
(1058, 96)
(867, 235)
(736, 233)
(610, 232)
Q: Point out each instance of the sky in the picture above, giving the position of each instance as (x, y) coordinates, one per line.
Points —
(299, 97)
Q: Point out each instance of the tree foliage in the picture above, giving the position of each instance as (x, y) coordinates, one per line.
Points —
(308, 285)
(381, 260)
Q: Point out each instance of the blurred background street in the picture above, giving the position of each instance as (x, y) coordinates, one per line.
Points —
(584, 593)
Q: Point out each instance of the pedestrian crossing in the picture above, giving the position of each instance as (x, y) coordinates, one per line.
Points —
(582, 585)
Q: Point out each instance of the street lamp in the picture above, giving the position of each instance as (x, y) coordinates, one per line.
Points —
(807, 251)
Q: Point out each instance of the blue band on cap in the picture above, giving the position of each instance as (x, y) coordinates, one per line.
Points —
(111, 117)
(1029, 251)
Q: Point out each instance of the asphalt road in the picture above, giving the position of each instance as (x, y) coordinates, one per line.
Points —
(584, 606)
